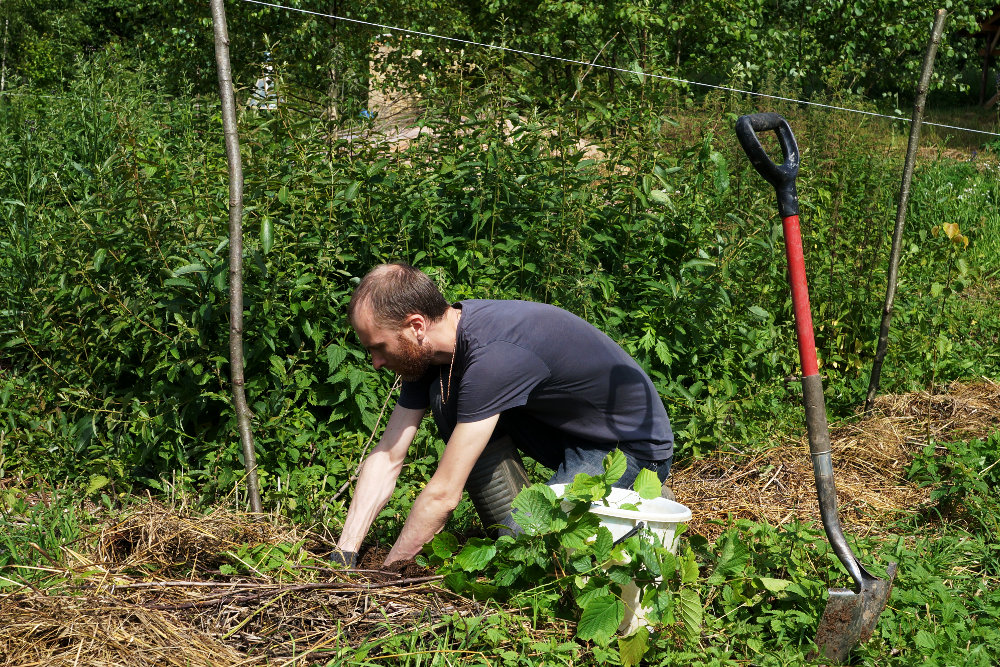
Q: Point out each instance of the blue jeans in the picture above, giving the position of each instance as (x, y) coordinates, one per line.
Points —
(591, 461)
(564, 453)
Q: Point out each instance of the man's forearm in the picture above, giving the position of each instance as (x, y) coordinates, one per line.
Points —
(375, 485)
(444, 491)
(427, 517)
(377, 477)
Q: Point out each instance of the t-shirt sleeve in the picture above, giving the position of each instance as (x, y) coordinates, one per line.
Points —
(500, 376)
(415, 395)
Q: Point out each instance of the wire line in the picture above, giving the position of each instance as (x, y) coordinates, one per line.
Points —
(613, 69)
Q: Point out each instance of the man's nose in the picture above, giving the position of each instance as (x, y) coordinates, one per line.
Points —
(378, 362)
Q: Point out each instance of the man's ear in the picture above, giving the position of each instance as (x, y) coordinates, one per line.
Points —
(418, 324)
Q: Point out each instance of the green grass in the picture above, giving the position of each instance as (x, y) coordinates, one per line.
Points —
(35, 523)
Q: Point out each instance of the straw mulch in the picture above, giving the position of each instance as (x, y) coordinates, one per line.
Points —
(99, 631)
(152, 593)
(871, 457)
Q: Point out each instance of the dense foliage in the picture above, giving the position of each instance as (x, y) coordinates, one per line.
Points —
(616, 196)
(659, 232)
(809, 47)
(754, 596)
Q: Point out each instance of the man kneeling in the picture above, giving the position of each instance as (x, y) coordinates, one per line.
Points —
(500, 377)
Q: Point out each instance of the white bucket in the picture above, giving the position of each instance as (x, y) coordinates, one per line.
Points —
(660, 516)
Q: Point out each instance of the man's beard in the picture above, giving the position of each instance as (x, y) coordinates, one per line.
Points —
(412, 360)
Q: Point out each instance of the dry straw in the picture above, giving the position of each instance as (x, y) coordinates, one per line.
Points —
(870, 458)
(151, 593)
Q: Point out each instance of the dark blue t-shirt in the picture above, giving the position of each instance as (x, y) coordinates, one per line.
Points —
(556, 368)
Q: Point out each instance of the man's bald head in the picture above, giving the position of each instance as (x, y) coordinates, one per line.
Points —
(395, 291)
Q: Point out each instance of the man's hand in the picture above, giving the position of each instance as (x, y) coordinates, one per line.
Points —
(444, 490)
(377, 477)
(345, 558)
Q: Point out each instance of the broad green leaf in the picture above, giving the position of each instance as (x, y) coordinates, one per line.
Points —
(925, 640)
(659, 604)
(621, 574)
(615, 465)
(663, 353)
(589, 487)
(691, 613)
(689, 567)
(456, 581)
(535, 506)
(600, 619)
(96, 483)
(582, 563)
(637, 70)
(632, 648)
(480, 591)
(190, 268)
(352, 191)
(356, 377)
(647, 484)
(658, 562)
(697, 262)
(660, 197)
(603, 544)
(444, 544)
(592, 591)
(772, 585)
(662, 173)
(583, 529)
(721, 176)
(278, 366)
(335, 356)
(476, 554)
(759, 312)
(731, 560)
(266, 234)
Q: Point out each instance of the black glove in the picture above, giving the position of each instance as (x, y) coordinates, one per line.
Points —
(345, 558)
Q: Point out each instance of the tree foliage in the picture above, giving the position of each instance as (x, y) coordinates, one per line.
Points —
(846, 47)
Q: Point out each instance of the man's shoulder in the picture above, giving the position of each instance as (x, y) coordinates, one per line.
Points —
(491, 307)
(539, 327)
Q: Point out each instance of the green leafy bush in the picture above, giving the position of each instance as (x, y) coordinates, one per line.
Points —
(964, 478)
(114, 316)
(566, 564)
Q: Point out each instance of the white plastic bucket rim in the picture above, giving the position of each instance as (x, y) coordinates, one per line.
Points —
(658, 510)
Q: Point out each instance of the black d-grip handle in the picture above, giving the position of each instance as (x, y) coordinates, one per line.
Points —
(781, 176)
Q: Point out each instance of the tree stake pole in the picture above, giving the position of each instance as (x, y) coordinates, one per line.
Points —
(235, 250)
(904, 198)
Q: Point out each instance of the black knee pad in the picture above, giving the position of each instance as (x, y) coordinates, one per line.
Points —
(493, 484)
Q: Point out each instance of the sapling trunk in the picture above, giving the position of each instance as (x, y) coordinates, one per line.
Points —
(3, 62)
(904, 198)
(235, 250)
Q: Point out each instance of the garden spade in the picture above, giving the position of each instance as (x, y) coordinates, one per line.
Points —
(850, 616)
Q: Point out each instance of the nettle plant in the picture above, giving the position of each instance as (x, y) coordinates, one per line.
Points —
(566, 564)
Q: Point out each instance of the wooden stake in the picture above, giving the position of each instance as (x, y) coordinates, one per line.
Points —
(235, 250)
(904, 198)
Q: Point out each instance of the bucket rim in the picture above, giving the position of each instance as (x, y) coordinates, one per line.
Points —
(656, 510)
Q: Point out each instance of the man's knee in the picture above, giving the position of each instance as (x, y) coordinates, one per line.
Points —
(496, 479)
